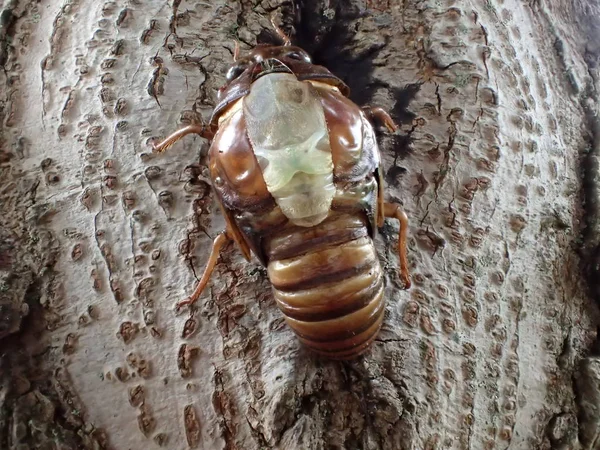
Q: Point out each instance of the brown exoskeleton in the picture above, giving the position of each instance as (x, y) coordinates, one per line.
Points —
(297, 173)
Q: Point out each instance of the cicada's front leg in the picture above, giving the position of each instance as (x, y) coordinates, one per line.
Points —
(179, 134)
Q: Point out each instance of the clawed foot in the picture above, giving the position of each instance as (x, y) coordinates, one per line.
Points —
(188, 301)
(218, 243)
(379, 115)
(405, 279)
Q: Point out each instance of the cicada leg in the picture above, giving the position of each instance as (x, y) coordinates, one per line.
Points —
(380, 115)
(393, 210)
(284, 37)
(179, 134)
(220, 241)
(236, 50)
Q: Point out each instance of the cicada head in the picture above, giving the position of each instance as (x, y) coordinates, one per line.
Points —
(264, 59)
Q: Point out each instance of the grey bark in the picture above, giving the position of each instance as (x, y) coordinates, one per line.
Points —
(496, 164)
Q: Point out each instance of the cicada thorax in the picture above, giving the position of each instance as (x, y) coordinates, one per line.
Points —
(286, 126)
(295, 167)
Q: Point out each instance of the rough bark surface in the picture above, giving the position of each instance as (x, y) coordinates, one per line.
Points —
(496, 164)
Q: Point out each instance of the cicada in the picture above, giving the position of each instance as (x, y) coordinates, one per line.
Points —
(297, 173)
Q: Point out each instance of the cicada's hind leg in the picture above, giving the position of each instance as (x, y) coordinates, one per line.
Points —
(378, 115)
(393, 210)
(220, 241)
(179, 134)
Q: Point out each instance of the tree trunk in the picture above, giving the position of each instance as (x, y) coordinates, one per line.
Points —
(496, 164)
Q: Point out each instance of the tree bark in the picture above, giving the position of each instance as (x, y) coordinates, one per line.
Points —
(496, 163)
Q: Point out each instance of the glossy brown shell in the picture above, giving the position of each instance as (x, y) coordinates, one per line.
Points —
(326, 279)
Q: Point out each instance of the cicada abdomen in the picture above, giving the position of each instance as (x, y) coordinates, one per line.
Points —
(327, 281)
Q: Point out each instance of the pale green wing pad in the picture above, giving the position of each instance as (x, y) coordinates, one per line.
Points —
(286, 126)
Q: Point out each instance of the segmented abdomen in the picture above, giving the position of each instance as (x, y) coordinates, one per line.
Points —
(327, 281)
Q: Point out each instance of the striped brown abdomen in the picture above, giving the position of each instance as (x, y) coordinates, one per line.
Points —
(327, 281)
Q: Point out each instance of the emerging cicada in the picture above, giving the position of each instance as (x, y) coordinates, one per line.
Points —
(297, 173)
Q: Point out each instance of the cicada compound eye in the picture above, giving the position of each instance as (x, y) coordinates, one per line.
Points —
(298, 55)
(235, 71)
